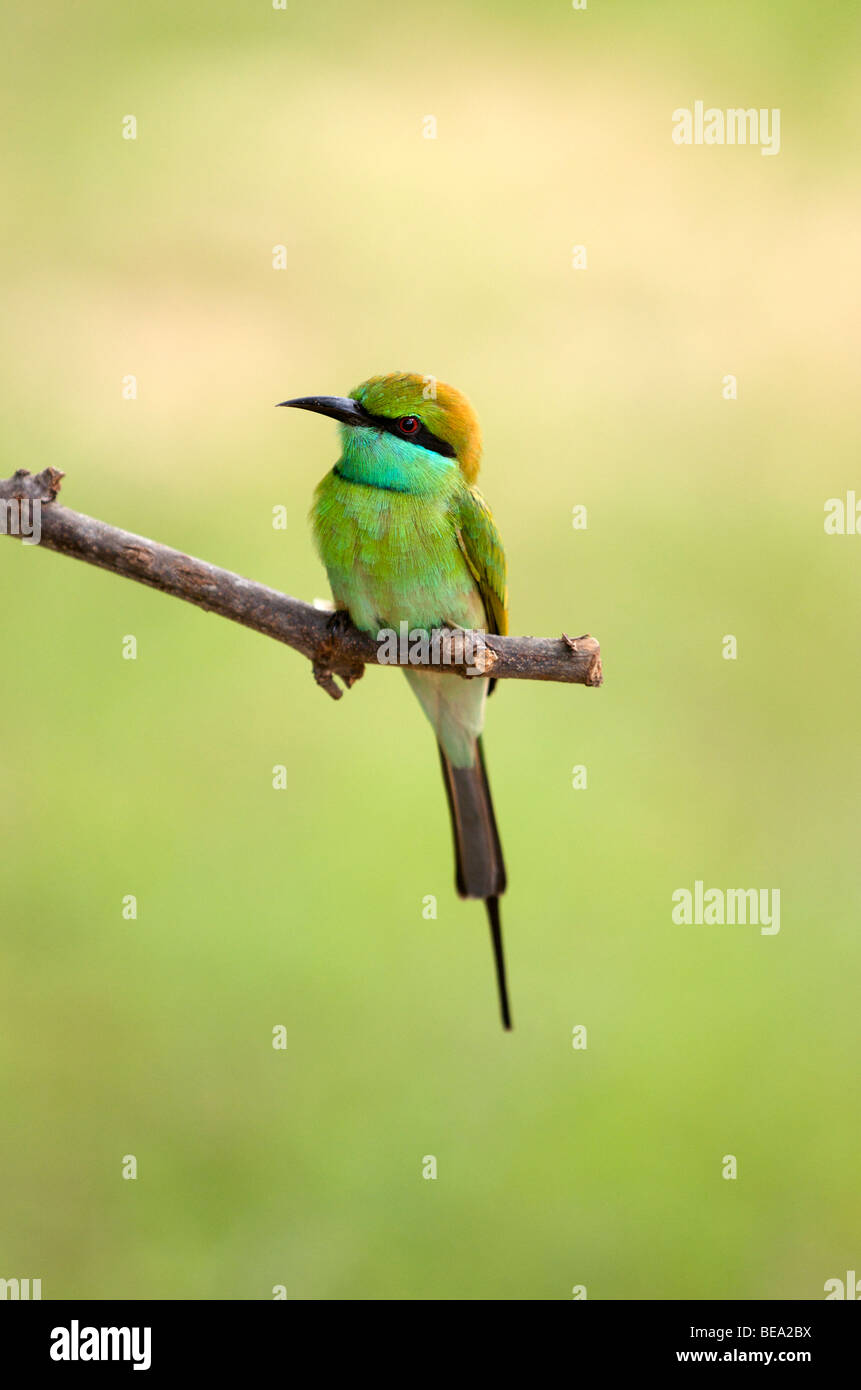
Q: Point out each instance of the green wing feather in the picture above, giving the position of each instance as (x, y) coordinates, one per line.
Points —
(479, 540)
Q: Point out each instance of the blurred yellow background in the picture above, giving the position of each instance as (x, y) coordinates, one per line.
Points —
(303, 908)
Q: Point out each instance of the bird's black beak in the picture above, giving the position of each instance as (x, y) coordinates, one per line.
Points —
(338, 407)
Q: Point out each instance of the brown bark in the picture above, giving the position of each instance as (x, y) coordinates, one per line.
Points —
(334, 648)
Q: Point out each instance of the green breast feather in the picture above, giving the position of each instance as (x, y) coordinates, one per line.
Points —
(395, 556)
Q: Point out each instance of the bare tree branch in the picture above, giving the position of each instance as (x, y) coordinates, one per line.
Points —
(334, 648)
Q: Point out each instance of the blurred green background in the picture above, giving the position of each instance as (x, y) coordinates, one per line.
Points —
(303, 907)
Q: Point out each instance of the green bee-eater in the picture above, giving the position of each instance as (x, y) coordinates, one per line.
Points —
(406, 537)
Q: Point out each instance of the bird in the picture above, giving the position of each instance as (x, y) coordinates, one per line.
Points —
(405, 536)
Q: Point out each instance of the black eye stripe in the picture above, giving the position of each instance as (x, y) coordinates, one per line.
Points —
(421, 436)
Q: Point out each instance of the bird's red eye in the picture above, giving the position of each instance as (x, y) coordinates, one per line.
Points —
(408, 424)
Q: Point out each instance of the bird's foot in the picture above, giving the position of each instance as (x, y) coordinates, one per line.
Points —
(339, 622)
(330, 662)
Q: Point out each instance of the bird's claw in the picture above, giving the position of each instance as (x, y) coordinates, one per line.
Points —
(328, 663)
(339, 622)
